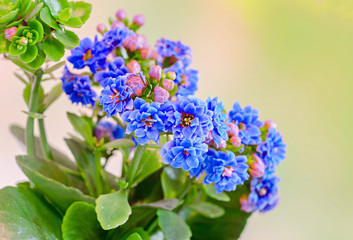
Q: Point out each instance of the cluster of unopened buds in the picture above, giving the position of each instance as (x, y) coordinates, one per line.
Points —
(151, 92)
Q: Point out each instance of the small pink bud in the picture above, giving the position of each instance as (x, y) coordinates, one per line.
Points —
(117, 24)
(171, 75)
(147, 53)
(120, 14)
(134, 67)
(270, 124)
(244, 203)
(168, 84)
(136, 83)
(236, 141)
(222, 144)
(234, 130)
(135, 42)
(155, 72)
(257, 167)
(101, 28)
(160, 94)
(10, 32)
(139, 20)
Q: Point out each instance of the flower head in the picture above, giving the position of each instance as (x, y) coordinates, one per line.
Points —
(139, 20)
(256, 167)
(120, 14)
(10, 32)
(116, 68)
(184, 153)
(146, 121)
(135, 42)
(155, 72)
(89, 53)
(168, 84)
(225, 170)
(160, 94)
(136, 82)
(134, 67)
(106, 129)
(115, 38)
(170, 52)
(116, 96)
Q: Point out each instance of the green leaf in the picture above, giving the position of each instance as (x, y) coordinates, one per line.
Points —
(80, 223)
(122, 142)
(210, 190)
(149, 163)
(21, 64)
(6, 6)
(15, 23)
(14, 51)
(4, 43)
(34, 115)
(166, 204)
(172, 226)
(25, 214)
(65, 14)
(52, 96)
(39, 60)
(173, 182)
(139, 230)
(53, 48)
(30, 15)
(36, 25)
(25, 6)
(30, 54)
(54, 67)
(113, 209)
(81, 10)
(10, 16)
(56, 5)
(134, 236)
(27, 94)
(67, 38)
(47, 18)
(207, 209)
(51, 181)
(82, 127)
(74, 22)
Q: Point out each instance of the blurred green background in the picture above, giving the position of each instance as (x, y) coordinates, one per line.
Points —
(293, 60)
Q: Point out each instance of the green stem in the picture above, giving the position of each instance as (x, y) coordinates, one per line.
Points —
(119, 121)
(33, 105)
(99, 186)
(152, 226)
(134, 164)
(43, 139)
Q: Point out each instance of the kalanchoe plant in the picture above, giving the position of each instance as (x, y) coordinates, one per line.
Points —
(188, 169)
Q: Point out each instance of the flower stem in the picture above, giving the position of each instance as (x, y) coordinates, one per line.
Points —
(134, 164)
(33, 105)
(99, 186)
(44, 141)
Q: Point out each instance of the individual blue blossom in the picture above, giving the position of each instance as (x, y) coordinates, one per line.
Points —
(263, 195)
(220, 128)
(189, 118)
(116, 96)
(115, 38)
(272, 150)
(225, 170)
(146, 121)
(89, 53)
(106, 129)
(78, 88)
(185, 153)
(170, 52)
(247, 121)
(116, 68)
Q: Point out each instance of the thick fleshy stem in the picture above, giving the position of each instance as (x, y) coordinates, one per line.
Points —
(44, 141)
(134, 164)
(33, 105)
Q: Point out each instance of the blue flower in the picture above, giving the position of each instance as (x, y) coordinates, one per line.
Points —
(89, 53)
(115, 38)
(171, 51)
(186, 153)
(263, 195)
(106, 129)
(190, 118)
(116, 68)
(247, 121)
(225, 170)
(78, 88)
(220, 127)
(273, 149)
(146, 121)
(115, 97)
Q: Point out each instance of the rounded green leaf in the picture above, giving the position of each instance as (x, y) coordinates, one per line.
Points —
(134, 236)
(4, 43)
(14, 51)
(173, 182)
(67, 38)
(32, 14)
(211, 192)
(10, 16)
(80, 223)
(16, 23)
(39, 60)
(113, 209)
(30, 54)
(81, 10)
(207, 209)
(173, 227)
(74, 22)
(25, 6)
(65, 14)
(53, 48)
(46, 17)
(36, 25)
(56, 5)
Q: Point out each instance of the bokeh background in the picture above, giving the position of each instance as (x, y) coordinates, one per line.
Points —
(293, 60)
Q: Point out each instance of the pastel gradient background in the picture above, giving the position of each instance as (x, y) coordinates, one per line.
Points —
(293, 60)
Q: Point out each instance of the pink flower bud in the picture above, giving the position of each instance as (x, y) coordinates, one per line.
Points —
(120, 14)
(234, 130)
(168, 84)
(117, 24)
(135, 42)
(134, 67)
(10, 32)
(236, 141)
(160, 94)
(136, 83)
(245, 205)
(257, 167)
(222, 144)
(147, 53)
(171, 75)
(270, 124)
(101, 28)
(139, 20)
(155, 72)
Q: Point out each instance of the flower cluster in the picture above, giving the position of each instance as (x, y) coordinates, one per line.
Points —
(152, 92)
